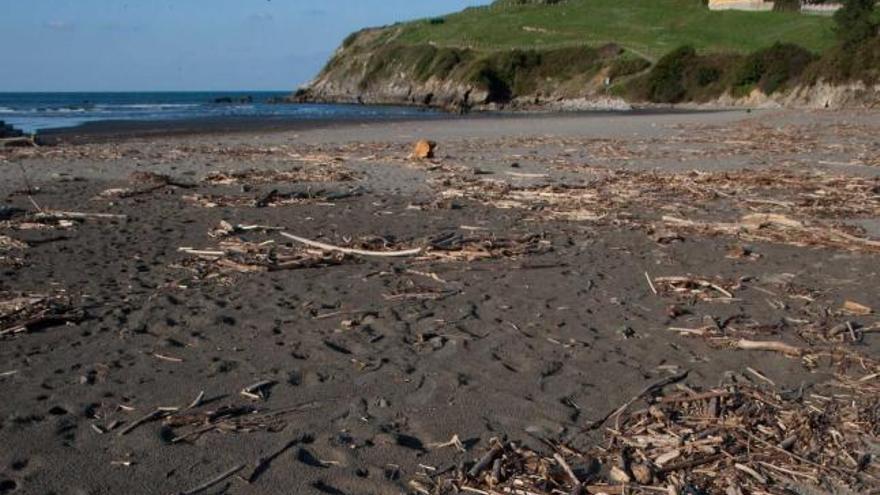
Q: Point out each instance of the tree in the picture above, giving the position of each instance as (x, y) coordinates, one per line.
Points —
(855, 21)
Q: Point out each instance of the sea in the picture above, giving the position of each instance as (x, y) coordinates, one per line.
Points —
(33, 112)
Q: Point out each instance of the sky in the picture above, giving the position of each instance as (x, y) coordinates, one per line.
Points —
(175, 45)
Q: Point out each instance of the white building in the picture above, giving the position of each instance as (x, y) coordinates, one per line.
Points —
(752, 5)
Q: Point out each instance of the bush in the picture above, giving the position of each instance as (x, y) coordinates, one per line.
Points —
(771, 68)
(855, 21)
(846, 63)
(627, 66)
(666, 81)
(506, 74)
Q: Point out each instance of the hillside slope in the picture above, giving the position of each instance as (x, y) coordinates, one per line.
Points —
(568, 54)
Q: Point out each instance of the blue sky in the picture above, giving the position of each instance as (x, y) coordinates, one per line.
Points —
(167, 45)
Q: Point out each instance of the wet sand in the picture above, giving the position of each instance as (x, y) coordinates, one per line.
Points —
(538, 320)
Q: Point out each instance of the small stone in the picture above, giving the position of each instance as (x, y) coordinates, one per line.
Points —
(618, 475)
(642, 473)
(424, 149)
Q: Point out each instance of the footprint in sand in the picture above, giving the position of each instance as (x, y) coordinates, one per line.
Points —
(7, 486)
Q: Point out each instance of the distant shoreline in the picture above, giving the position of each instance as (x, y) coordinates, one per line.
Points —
(120, 130)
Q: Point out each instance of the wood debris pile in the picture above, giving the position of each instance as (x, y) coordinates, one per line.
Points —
(695, 288)
(750, 136)
(22, 313)
(10, 251)
(738, 438)
(9, 244)
(782, 229)
(558, 202)
(145, 183)
(775, 206)
(458, 247)
(188, 425)
(235, 255)
(804, 194)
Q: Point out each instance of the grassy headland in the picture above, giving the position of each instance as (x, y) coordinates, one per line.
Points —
(534, 51)
(652, 28)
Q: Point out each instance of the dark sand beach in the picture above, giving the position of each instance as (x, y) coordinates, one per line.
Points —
(565, 263)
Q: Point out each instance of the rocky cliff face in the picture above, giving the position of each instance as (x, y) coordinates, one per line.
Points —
(371, 68)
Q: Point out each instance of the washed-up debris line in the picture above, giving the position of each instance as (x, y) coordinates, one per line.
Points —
(10, 251)
(273, 198)
(144, 183)
(606, 191)
(738, 438)
(22, 313)
(775, 205)
(779, 229)
(291, 174)
(235, 254)
(695, 288)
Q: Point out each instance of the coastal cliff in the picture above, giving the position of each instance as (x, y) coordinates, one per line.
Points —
(598, 54)
(372, 67)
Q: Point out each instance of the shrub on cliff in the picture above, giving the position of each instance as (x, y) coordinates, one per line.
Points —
(511, 73)
(772, 68)
(855, 21)
(666, 80)
(857, 55)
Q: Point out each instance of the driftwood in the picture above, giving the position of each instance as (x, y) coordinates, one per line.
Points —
(263, 463)
(215, 481)
(646, 391)
(67, 215)
(153, 416)
(753, 345)
(486, 461)
(358, 252)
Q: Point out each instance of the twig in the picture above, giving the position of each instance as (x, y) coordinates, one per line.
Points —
(690, 464)
(52, 214)
(167, 358)
(255, 391)
(158, 413)
(565, 467)
(359, 252)
(263, 463)
(30, 189)
(485, 461)
(340, 313)
(647, 390)
(694, 397)
(215, 481)
(454, 442)
(775, 346)
(198, 402)
(651, 284)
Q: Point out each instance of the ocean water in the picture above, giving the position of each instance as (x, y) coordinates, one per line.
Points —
(32, 112)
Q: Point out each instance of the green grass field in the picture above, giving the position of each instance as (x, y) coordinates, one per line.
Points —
(647, 27)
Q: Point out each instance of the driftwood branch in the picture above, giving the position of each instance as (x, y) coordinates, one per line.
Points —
(215, 481)
(359, 252)
(754, 345)
(64, 215)
(646, 391)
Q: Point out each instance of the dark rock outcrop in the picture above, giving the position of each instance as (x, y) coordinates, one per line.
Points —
(7, 131)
